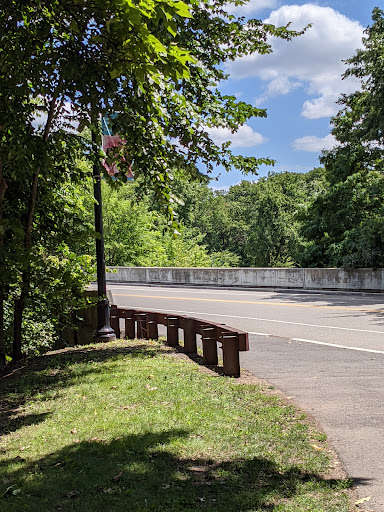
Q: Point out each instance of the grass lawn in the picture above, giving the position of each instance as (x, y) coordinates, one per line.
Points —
(131, 426)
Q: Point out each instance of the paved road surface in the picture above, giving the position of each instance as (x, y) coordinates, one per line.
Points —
(326, 351)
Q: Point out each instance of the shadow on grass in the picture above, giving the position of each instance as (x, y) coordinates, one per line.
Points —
(23, 382)
(140, 473)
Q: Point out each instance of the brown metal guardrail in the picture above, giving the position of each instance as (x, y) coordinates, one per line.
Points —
(144, 324)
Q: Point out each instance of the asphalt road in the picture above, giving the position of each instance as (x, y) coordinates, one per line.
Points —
(324, 351)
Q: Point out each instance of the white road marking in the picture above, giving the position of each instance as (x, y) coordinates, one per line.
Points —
(303, 340)
(262, 320)
(357, 349)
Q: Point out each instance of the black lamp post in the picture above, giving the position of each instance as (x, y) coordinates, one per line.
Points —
(104, 330)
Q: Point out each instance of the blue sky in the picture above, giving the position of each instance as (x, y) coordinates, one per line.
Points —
(298, 83)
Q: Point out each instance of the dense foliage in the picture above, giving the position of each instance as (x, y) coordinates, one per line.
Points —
(345, 226)
(135, 235)
(251, 224)
(154, 64)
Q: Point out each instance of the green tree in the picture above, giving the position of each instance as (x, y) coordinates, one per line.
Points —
(155, 64)
(271, 208)
(135, 236)
(57, 274)
(76, 54)
(193, 244)
(209, 212)
(344, 227)
(253, 223)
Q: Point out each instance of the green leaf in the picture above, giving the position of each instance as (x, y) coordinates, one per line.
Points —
(182, 9)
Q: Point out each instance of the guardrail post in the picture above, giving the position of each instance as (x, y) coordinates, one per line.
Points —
(152, 330)
(231, 357)
(172, 330)
(209, 344)
(161, 318)
(115, 320)
(190, 345)
(129, 324)
(243, 341)
(142, 331)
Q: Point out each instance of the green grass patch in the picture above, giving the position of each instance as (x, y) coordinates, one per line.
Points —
(129, 426)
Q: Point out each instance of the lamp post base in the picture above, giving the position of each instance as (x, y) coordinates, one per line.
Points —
(103, 336)
(104, 331)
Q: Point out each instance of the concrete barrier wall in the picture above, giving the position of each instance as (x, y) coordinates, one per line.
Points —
(358, 279)
(363, 279)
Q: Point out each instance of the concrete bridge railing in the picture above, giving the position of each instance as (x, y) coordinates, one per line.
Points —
(362, 279)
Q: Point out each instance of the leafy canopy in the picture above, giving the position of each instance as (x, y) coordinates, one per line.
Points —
(345, 226)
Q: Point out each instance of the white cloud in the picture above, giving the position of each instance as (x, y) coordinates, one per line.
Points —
(39, 120)
(245, 137)
(221, 187)
(323, 106)
(312, 61)
(279, 86)
(67, 114)
(314, 144)
(250, 7)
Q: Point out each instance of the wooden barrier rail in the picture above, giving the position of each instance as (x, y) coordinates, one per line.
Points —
(144, 324)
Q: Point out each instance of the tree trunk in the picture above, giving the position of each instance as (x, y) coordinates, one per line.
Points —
(2, 347)
(3, 188)
(2, 334)
(19, 304)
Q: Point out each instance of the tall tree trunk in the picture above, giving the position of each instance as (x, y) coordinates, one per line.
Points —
(2, 347)
(3, 188)
(20, 302)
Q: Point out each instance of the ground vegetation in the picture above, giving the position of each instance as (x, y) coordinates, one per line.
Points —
(167, 436)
